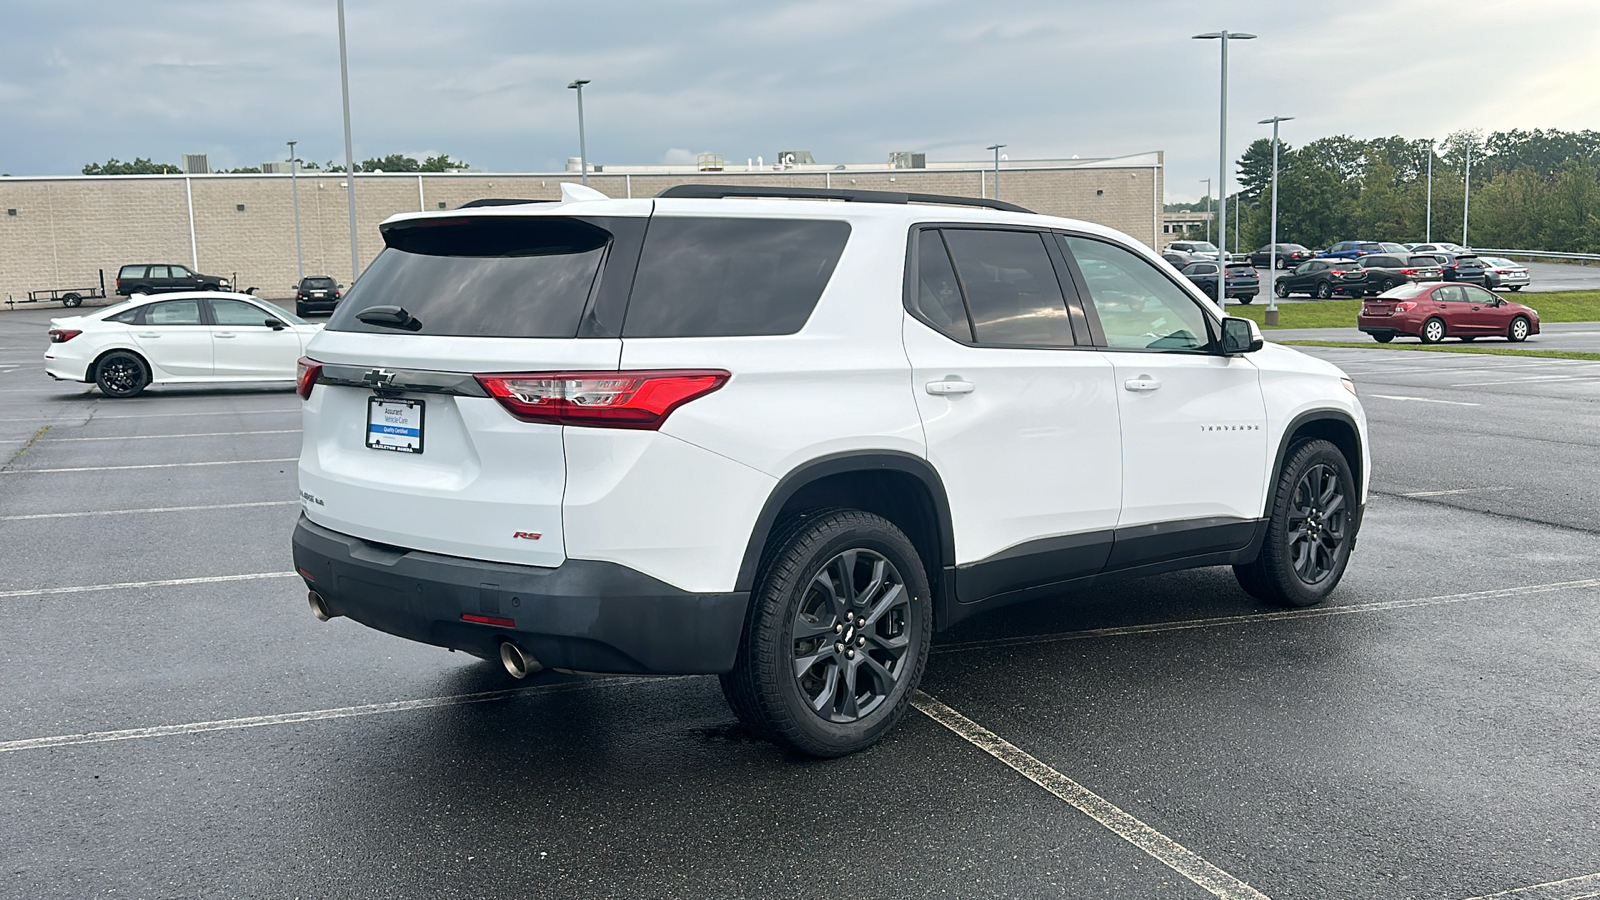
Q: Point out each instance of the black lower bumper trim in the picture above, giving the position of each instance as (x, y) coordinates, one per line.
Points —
(584, 615)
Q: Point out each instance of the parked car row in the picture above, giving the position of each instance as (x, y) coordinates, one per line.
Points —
(1347, 268)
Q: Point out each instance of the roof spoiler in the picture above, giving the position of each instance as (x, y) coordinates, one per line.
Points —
(723, 191)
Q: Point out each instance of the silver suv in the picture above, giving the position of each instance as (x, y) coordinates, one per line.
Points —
(783, 437)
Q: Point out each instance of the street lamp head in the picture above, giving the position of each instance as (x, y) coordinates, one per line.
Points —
(996, 146)
(1276, 119)
(579, 83)
(1230, 35)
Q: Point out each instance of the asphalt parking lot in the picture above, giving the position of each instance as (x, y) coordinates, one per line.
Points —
(178, 725)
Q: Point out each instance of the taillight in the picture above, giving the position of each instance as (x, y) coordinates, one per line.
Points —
(62, 335)
(307, 371)
(335, 295)
(1406, 306)
(1408, 271)
(603, 399)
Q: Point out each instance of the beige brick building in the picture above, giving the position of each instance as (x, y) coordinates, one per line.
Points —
(57, 232)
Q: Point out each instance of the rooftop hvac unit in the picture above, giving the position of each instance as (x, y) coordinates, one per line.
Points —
(196, 164)
(905, 159)
(709, 162)
(791, 158)
(275, 168)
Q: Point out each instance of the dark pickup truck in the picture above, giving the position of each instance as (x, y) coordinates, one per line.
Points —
(1382, 271)
(164, 278)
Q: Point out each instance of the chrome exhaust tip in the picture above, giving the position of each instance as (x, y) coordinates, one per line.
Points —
(319, 607)
(518, 662)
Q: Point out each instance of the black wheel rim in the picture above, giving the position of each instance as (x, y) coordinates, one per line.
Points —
(121, 374)
(851, 636)
(1319, 523)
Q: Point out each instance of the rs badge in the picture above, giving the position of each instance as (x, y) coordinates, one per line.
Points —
(527, 535)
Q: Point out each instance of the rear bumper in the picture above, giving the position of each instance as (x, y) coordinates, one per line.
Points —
(584, 615)
(317, 304)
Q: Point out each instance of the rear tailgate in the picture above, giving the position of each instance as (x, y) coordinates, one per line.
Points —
(402, 445)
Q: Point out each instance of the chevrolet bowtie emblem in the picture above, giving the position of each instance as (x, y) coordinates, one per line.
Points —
(378, 377)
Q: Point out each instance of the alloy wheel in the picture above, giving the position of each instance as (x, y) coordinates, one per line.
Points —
(1519, 329)
(121, 374)
(851, 636)
(1319, 521)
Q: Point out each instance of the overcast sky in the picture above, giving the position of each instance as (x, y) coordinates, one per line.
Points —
(484, 80)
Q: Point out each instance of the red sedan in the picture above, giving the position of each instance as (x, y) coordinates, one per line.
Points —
(1436, 310)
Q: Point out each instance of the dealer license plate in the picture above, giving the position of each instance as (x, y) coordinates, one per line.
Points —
(394, 424)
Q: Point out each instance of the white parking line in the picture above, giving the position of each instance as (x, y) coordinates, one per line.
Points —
(150, 509)
(1483, 490)
(225, 412)
(1580, 888)
(1528, 380)
(1278, 616)
(151, 437)
(129, 585)
(315, 715)
(1422, 399)
(219, 462)
(1124, 825)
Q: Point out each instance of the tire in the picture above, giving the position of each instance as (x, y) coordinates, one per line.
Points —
(803, 568)
(1383, 338)
(1518, 332)
(1387, 286)
(1281, 288)
(1467, 339)
(1246, 300)
(1433, 331)
(1324, 291)
(300, 310)
(1516, 287)
(121, 374)
(71, 301)
(1310, 532)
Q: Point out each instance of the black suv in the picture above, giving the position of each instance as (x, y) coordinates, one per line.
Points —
(1322, 278)
(316, 293)
(1243, 282)
(1462, 267)
(165, 278)
(1289, 256)
(1382, 271)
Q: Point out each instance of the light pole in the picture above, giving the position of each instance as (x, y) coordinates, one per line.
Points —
(996, 149)
(1428, 229)
(294, 186)
(1222, 152)
(1272, 248)
(1466, 198)
(349, 152)
(583, 150)
(1208, 209)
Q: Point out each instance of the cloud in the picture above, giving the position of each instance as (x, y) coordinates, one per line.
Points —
(485, 80)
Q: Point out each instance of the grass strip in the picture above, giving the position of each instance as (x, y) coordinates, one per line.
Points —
(1556, 306)
(1452, 348)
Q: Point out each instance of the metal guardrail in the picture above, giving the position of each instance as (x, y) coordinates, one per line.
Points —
(1543, 253)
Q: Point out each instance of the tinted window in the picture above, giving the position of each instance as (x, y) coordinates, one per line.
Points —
(938, 295)
(1201, 269)
(132, 272)
(173, 312)
(713, 277)
(1372, 248)
(238, 312)
(492, 276)
(127, 317)
(1011, 288)
(1137, 306)
(179, 272)
(158, 272)
(1424, 261)
(318, 284)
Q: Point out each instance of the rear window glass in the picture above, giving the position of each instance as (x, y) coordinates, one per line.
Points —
(713, 277)
(132, 272)
(318, 283)
(491, 276)
(1424, 261)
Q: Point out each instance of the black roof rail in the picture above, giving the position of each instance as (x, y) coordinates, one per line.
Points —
(721, 191)
(498, 201)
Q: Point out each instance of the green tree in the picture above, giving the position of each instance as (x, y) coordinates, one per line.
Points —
(140, 166)
(442, 163)
(394, 162)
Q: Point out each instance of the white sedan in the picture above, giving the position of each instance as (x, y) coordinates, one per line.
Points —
(187, 338)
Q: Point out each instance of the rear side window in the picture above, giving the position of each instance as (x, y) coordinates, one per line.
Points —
(173, 312)
(489, 276)
(714, 277)
(938, 295)
(132, 272)
(1011, 287)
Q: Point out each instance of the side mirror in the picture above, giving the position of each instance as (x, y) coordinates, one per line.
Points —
(340, 285)
(275, 324)
(1240, 336)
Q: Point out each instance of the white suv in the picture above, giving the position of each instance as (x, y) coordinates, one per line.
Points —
(785, 440)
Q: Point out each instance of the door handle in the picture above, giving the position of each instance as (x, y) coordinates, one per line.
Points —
(1142, 383)
(222, 334)
(147, 334)
(950, 386)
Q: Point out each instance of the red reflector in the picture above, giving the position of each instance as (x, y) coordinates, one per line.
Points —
(488, 620)
(602, 399)
(304, 574)
(62, 335)
(307, 371)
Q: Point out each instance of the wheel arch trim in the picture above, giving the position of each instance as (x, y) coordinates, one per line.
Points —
(839, 464)
(1287, 442)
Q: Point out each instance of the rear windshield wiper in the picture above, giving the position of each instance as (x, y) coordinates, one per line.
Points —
(390, 317)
